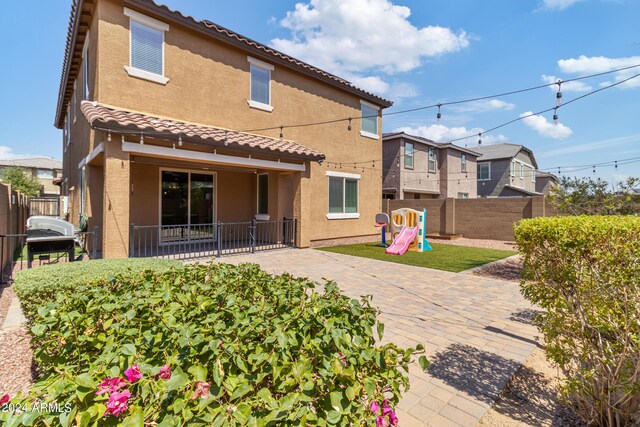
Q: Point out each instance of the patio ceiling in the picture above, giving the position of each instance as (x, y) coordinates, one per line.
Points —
(110, 118)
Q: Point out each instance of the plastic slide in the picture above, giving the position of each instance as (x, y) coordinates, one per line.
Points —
(402, 241)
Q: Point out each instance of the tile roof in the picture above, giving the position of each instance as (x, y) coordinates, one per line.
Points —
(214, 30)
(33, 162)
(115, 119)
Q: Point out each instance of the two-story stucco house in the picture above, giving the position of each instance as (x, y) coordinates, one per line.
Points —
(44, 169)
(506, 170)
(180, 124)
(418, 168)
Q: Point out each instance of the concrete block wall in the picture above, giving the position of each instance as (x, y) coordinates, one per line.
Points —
(484, 218)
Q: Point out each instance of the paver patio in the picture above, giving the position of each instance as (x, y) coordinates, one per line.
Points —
(471, 327)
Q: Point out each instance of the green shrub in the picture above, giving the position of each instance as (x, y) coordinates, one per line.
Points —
(585, 272)
(35, 285)
(243, 348)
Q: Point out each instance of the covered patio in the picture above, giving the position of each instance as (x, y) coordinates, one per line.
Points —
(175, 189)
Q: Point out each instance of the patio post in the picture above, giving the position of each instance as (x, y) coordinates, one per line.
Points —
(95, 243)
(295, 232)
(219, 238)
(252, 235)
(131, 240)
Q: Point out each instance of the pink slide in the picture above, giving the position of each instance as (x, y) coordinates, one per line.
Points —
(402, 241)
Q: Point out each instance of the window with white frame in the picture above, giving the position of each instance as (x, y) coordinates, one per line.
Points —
(263, 194)
(533, 175)
(343, 195)
(463, 195)
(463, 162)
(44, 173)
(86, 94)
(260, 85)
(369, 120)
(408, 155)
(484, 171)
(521, 170)
(146, 51)
(512, 171)
(432, 159)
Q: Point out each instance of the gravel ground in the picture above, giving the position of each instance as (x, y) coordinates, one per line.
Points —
(531, 399)
(506, 269)
(16, 359)
(478, 243)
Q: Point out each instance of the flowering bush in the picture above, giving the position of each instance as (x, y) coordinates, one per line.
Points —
(215, 345)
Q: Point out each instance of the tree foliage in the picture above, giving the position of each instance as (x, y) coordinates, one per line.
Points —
(586, 196)
(22, 181)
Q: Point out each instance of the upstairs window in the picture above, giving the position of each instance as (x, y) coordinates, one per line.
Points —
(513, 168)
(533, 175)
(484, 171)
(432, 159)
(146, 60)
(463, 162)
(521, 170)
(260, 85)
(86, 95)
(369, 119)
(408, 155)
(44, 173)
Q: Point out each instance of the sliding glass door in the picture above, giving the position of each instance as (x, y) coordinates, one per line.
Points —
(187, 205)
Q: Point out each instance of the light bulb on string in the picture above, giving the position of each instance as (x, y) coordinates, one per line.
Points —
(480, 138)
(594, 169)
(141, 139)
(281, 135)
(109, 136)
(439, 115)
(180, 140)
(226, 141)
(616, 164)
(559, 94)
(349, 127)
(122, 138)
(555, 116)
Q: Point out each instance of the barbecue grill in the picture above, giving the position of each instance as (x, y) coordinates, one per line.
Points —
(47, 235)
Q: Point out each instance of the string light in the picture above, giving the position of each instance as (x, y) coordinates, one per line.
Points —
(141, 138)
(226, 141)
(439, 115)
(281, 127)
(594, 169)
(180, 140)
(122, 138)
(555, 116)
(109, 137)
(480, 138)
(349, 127)
(616, 164)
(559, 94)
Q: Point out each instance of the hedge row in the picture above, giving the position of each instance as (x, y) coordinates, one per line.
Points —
(585, 272)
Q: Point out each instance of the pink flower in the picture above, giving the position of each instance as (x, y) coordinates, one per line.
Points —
(4, 399)
(111, 384)
(343, 359)
(375, 408)
(393, 419)
(386, 409)
(133, 374)
(165, 372)
(202, 390)
(117, 403)
(381, 422)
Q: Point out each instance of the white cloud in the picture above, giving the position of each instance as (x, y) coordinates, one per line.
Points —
(584, 65)
(557, 4)
(544, 127)
(483, 106)
(576, 86)
(361, 39)
(591, 146)
(442, 133)
(6, 153)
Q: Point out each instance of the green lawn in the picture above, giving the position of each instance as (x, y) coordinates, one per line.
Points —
(442, 257)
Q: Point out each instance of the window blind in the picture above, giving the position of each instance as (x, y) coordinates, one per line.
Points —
(146, 48)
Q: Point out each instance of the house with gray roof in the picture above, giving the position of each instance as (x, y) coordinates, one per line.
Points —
(45, 169)
(506, 170)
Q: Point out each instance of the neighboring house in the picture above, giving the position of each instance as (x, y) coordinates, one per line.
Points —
(169, 120)
(506, 170)
(45, 169)
(545, 182)
(418, 168)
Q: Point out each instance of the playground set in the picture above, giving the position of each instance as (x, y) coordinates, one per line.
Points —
(408, 230)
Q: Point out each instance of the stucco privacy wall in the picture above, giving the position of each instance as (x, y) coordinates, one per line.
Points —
(490, 218)
(209, 84)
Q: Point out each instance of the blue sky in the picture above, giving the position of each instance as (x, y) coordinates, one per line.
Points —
(412, 52)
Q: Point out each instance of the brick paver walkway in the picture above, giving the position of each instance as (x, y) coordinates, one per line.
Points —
(471, 327)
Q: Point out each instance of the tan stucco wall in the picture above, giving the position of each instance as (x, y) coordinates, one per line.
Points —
(457, 180)
(209, 83)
